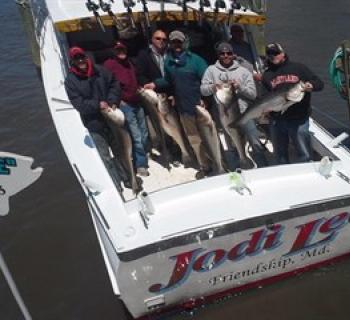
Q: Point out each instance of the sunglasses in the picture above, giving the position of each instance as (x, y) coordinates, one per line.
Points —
(272, 53)
(79, 57)
(225, 53)
(161, 39)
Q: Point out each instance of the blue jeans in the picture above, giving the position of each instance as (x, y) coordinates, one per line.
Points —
(252, 134)
(294, 131)
(136, 123)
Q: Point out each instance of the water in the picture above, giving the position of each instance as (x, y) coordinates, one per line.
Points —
(48, 239)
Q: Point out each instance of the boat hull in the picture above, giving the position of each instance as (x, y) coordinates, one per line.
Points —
(232, 257)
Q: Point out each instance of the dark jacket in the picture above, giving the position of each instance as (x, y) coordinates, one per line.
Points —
(275, 77)
(86, 94)
(126, 75)
(146, 67)
(185, 76)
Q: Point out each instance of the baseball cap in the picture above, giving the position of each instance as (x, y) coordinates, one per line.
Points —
(274, 49)
(224, 47)
(177, 35)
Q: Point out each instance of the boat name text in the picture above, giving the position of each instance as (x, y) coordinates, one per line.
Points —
(309, 237)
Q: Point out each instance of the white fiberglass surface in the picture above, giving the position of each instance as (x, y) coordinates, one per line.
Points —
(214, 201)
(61, 10)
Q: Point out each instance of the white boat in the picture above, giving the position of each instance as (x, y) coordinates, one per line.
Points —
(183, 242)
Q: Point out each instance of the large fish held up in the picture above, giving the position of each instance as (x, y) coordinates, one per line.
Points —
(209, 135)
(116, 121)
(277, 101)
(165, 120)
(229, 112)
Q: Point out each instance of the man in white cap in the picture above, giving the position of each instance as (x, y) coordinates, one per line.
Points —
(293, 124)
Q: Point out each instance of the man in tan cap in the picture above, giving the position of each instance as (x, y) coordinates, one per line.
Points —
(183, 72)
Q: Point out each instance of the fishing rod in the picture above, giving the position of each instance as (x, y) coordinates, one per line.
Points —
(93, 7)
(219, 4)
(128, 4)
(106, 7)
(147, 19)
(234, 6)
(146, 13)
(185, 12)
(202, 4)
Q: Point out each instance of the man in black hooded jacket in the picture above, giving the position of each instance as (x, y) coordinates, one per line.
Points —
(293, 124)
(90, 89)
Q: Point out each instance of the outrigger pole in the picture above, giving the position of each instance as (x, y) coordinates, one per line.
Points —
(92, 6)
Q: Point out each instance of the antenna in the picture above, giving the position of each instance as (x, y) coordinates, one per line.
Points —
(92, 6)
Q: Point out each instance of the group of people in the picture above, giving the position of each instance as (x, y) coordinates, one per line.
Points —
(169, 66)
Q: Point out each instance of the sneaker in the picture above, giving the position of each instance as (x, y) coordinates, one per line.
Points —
(127, 184)
(143, 172)
(202, 173)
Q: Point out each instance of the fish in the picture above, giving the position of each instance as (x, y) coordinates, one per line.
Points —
(229, 112)
(170, 123)
(277, 101)
(209, 135)
(165, 121)
(149, 100)
(123, 138)
(114, 115)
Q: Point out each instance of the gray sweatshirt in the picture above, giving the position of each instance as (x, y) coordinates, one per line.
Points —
(246, 91)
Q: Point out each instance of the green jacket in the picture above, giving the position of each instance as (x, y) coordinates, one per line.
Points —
(184, 75)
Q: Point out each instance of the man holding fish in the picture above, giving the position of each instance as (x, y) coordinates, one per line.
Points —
(293, 83)
(93, 90)
(123, 70)
(233, 87)
(183, 72)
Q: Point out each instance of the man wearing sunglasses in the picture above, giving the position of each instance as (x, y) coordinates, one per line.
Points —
(228, 69)
(183, 72)
(293, 124)
(150, 61)
(90, 89)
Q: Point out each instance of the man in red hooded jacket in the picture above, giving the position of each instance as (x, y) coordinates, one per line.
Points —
(90, 89)
(125, 72)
